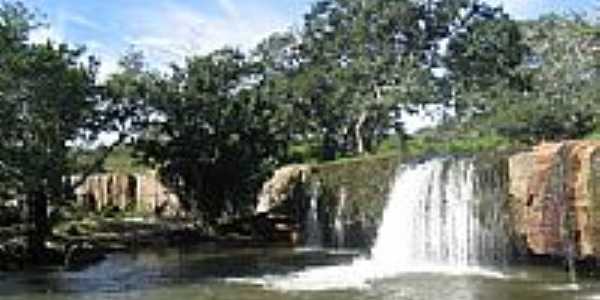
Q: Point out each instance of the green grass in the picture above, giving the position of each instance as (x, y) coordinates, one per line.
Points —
(438, 144)
(459, 145)
(121, 160)
(308, 152)
(594, 135)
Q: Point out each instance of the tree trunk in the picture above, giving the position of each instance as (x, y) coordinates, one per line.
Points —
(38, 216)
(358, 128)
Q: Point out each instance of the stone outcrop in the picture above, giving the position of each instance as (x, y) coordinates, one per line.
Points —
(279, 188)
(142, 193)
(555, 199)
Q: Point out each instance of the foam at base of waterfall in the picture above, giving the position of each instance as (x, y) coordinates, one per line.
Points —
(308, 249)
(563, 287)
(361, 274)
(334, 251)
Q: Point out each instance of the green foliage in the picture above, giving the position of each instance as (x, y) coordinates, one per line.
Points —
(49, 104)
(358, 64)
(304, 153)
(561, 98)
(487, 50)
(353, 74)
(218, 134)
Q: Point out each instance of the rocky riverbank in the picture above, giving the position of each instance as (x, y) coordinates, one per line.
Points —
(76, 244)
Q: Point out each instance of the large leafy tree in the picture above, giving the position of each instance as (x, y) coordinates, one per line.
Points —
(484, 55)
(218, 133)
(277, 58)
(357, 63)
(561, 98)
(361, 62)
(49, 105)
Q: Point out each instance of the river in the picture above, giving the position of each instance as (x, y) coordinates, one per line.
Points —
(211, 272)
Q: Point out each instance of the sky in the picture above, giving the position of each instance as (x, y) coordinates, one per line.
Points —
(166, 30)
(169, 30)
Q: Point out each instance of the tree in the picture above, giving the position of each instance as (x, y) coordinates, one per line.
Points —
(562, 96)
(484, 54)
(49, 105)
(361, 62)
(358, 61)
(218, 134)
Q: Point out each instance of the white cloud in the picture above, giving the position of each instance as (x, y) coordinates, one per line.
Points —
(170, 32)
(529, 9)
(42, 34)
(520, 9)
(79, 20)
(109, 58)
(166, 31)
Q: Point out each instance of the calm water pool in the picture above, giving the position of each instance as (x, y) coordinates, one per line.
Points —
(216, 273)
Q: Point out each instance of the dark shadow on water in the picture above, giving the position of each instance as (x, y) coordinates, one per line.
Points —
(156, 269)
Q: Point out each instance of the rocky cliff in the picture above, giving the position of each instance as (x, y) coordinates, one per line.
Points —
(555, 198)
(140, 193)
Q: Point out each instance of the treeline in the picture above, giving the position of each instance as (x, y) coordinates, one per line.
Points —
(216, 125)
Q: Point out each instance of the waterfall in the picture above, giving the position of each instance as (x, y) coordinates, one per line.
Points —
(313, 230)
(434, 218)
(338, 223)
(439, 219)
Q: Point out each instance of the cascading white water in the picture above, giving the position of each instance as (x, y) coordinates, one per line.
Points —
(338, 223)
(313, 230)
(433, 222)
(433, 219)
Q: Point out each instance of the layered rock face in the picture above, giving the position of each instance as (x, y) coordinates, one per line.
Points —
(555, 198)
(142, 193)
